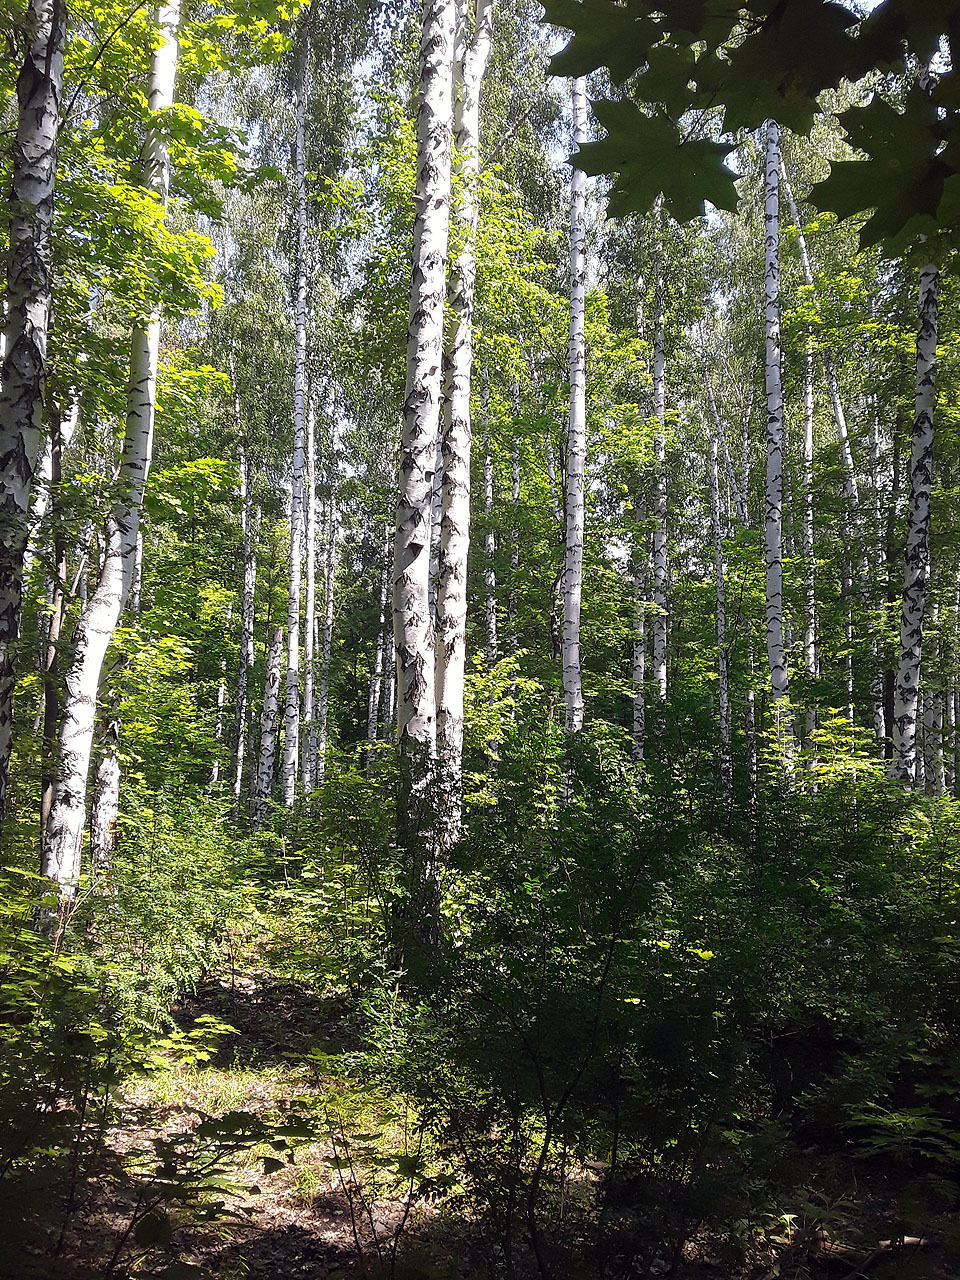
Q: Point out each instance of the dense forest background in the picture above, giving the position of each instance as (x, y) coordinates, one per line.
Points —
(480, 639)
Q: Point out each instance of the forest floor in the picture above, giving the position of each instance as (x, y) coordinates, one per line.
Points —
(259, 1213)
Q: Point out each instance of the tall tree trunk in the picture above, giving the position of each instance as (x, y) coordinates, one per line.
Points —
(456, 437)
(417, 918)
(27, 304)
(310, 611)
(326, 640)
(489, 552)
(98, 621)
(903, 766)
(776, 657)
(220, 716)
(378, 674)
(246, 627)
(577, 429)
(263, 786)
(291, 722)
(640, 570)
(51, 676)
(723, 682)
(660, 496)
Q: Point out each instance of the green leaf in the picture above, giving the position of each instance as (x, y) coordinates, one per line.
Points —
(651, 157)
(605, 35)
(153, 1230)
(802, 48)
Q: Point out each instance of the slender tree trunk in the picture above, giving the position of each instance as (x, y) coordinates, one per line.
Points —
(903, 766)
(27, 304)
(737, 496)
(776, 656)
(554, 488)
(310, 612)
(246, 627)
(378, 675)
(514, 530)
(723, 682)
(660, 499)
(577, 429)
(62, 841)
(489, 552)
(220, 716)
(291, 724)
(640, 649)
(326, 641)
(263, 787)
(457, 430)
(51, 675)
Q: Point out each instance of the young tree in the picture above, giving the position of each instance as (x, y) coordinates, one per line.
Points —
(577, 428)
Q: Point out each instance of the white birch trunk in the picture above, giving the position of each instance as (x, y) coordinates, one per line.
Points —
(246, 628)
(263, 785)
(660, 501)
(98, 621)
(773, 524)
(640, 647)
(377, 675)
(577, 429)
(220, 714)
(723, 682)
(326, 643)
(105, 810)
(413, 626)
(291, 722)
(489, 555)
(457, 430)
(903, 765)
(310, 611)
(27, 306)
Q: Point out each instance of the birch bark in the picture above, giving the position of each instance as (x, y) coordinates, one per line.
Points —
(916, 556)
(27, 304)
(577, 429)
(326, 642)
(660, 501)
(263, 785)
(246, 626)
(416, 920)
(723, 683)
(457, 428)
(291, 726)
(310, 610)
(98, 621)
(489, 547)
(773, 524)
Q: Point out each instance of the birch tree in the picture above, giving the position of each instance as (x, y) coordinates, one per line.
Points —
(773, 522)
(916, 554)
(27, 306)
(98, 621)
(310, 609)
(723, 680)
(413, 627)
(247, 606)
(660, 498)
(291, 723)
(577, 428)
(263, 783)
(457, 429)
